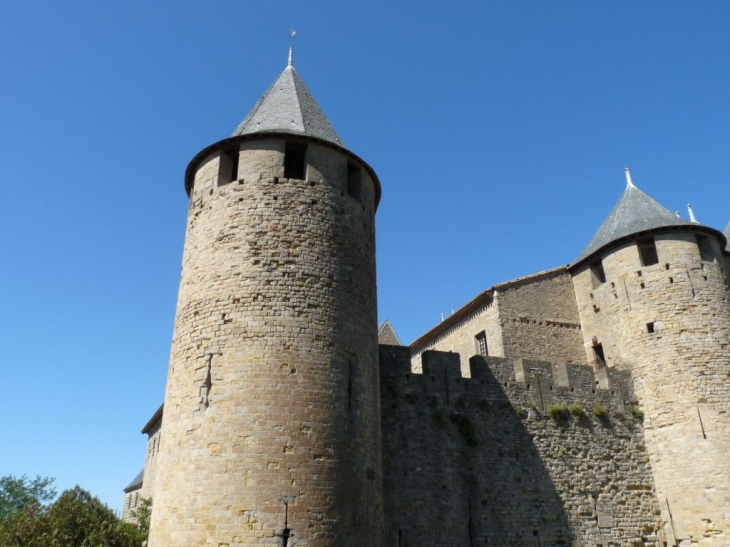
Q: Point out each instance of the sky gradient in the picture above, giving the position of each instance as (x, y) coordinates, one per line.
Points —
(499, 132)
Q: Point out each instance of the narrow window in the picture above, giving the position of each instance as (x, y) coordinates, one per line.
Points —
(294, 161)
(354, 182)
(597, 273)
(647, 251)
(481, 344)
(228, 167)
(598, 353)
(705, 246)
(233, 155)
(650, 327)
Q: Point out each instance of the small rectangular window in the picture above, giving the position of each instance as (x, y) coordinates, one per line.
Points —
(705, 246)
(597, 274)
(228, 166)
(647, 251)
(650, 327)
(481, 344)
(294, 161)
(354, 183)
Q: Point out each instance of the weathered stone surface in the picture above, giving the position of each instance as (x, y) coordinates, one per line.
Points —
(534, 317)
(669, 324)
(272, 393)
(475, 461)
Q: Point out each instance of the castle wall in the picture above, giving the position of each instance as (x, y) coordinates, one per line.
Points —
(272, 395)
(539, 318)
(150, 466)
(535, 317)
(669, 323)
(461, 338)
(476, 461)
(133, 499)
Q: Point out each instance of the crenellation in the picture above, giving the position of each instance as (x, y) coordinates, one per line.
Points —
(581, 406)
(489, 465)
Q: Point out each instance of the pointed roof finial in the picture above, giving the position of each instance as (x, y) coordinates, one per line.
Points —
(292, 33)
(629, 182)
(692, 217)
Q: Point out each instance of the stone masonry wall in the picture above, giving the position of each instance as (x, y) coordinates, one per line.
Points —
(539, 318)
(133, 499)
(669, 323)
(272, 394)
(477, 462)
(535, 317)
(461, 338)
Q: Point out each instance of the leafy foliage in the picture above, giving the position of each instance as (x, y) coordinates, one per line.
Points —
(75, 519)
(143, 514)
(558, 413)
(637, 413)
(600, 411)
(18, 493)
(466, 428)
(577, 411)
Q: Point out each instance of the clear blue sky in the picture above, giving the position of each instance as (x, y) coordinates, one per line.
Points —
(499, 131)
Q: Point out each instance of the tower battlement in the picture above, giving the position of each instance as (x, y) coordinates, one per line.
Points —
(285, 420)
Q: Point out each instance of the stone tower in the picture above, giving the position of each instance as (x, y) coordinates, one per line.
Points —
(653, 297)
(272, 417)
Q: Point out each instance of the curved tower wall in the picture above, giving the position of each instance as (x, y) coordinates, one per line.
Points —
(670, 324)
(272, 396)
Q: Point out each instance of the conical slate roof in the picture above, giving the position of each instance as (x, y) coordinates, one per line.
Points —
(288, 106)
(635, 212)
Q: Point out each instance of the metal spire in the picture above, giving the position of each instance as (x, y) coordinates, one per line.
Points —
(629, 182)
(692, 217)
(292, 33)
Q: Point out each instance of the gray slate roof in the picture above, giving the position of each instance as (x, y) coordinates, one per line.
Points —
(387, 335)
(288, 106)
(136, 482)
(635, 212)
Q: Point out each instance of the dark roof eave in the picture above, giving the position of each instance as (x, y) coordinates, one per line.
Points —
(481, 299)
(153, 420)
(662, 229)
(207, 151)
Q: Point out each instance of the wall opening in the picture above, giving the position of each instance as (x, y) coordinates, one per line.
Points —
(597, 274)
(227, 166)
(480, 341)
(705, 246)
(647, 251)
(600, 357)
(354, 181)
(650, 327)
(294, 164)
(233, 155)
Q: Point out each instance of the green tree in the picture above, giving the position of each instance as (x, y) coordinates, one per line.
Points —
(17, 493)
(143, 514)
(75, 519)
(78, 519)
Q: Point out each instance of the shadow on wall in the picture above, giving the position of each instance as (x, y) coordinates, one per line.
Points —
(459, 466)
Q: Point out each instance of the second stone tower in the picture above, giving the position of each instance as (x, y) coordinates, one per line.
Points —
(272, 422)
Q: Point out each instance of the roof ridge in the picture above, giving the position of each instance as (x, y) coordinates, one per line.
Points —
(296, 79)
